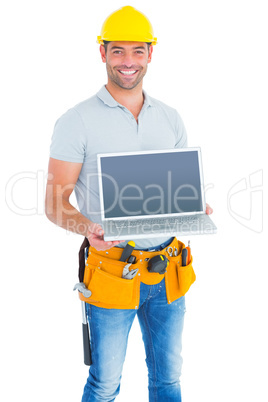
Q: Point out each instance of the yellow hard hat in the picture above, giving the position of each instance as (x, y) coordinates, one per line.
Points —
(127, 24)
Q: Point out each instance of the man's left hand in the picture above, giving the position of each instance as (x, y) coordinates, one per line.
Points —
(209, 210)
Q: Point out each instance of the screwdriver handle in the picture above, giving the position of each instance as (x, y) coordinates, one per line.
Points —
(184, 254)
(127, 251)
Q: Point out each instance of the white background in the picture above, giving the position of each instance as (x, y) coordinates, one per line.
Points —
(211, 65)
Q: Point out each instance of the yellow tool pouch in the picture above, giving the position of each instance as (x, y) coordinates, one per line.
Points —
(102, 275)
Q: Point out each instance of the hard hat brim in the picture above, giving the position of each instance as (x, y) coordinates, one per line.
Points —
(135, 38)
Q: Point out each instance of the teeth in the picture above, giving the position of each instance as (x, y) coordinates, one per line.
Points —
(128, 72)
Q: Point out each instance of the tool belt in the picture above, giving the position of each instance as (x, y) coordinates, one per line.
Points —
(102, 275)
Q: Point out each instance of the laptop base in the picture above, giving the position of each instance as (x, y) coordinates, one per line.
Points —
(141, 228)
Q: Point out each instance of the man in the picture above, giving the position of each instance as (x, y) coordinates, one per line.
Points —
(120, 117)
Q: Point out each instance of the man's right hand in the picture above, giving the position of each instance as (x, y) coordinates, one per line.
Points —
(61, 182)
(95, 237)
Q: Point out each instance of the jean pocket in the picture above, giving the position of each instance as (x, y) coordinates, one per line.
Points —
(186, 277)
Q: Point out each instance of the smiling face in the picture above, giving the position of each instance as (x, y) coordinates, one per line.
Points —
(126, 63)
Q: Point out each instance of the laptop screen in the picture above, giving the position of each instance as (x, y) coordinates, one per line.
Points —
(152, 183)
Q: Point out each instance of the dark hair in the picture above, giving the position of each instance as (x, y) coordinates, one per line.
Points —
(105, 44)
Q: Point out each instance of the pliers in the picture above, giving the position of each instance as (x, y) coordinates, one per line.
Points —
(127, 274)
(170, 251)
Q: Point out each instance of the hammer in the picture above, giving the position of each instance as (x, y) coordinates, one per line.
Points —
(81, 287)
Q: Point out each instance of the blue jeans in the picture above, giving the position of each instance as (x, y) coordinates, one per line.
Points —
(161, 325)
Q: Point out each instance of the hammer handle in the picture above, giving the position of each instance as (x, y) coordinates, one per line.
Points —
(86, 338)
(86, 345)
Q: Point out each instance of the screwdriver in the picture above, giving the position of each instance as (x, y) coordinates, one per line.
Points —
(184, 254)
(127, 251)
(189, 256)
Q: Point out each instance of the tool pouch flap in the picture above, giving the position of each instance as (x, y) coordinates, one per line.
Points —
(108, 288)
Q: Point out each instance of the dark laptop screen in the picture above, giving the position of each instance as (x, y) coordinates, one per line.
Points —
(151, 184)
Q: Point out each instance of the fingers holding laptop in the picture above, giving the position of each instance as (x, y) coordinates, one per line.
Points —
(95, 237)
(209, 210)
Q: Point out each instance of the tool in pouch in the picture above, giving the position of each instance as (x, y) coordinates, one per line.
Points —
(126, 255)
(81, 287)
(189, 255)
(186, 255)
(172, 253)
(158, 263)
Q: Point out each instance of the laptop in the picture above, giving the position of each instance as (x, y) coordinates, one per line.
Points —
(152, 194)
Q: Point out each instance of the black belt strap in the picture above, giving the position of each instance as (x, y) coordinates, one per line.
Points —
(81, 257)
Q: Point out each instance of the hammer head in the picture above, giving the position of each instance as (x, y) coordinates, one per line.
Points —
(81, 287)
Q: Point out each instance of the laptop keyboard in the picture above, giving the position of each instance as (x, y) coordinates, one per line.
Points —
(171, 226)
(157, 221)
